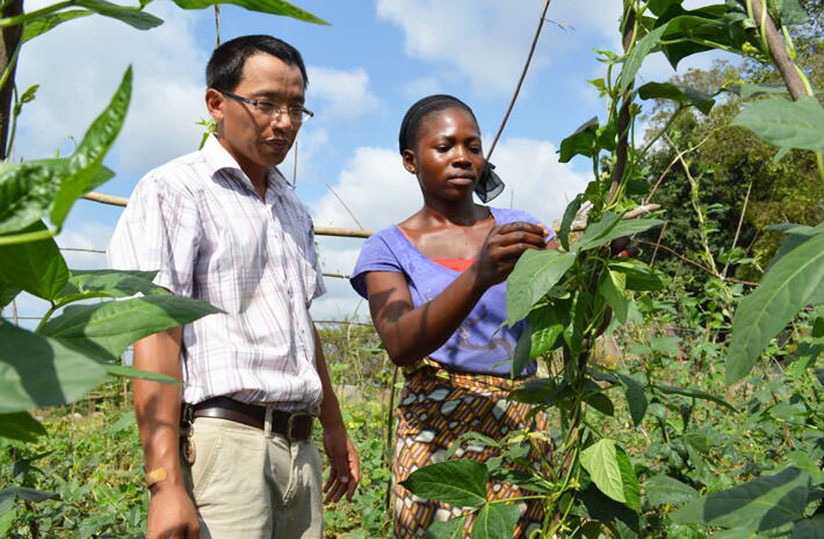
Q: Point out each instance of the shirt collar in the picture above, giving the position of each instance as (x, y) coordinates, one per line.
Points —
(220, 160)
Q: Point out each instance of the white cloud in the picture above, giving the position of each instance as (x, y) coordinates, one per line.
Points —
(485, 40)
(535, 181)
(345, 94)
(79, 65)
(84, 245)
(376, 190)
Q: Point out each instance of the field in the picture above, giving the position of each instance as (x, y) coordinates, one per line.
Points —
(708, 435)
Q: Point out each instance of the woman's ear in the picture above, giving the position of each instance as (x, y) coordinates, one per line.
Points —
(409, 161)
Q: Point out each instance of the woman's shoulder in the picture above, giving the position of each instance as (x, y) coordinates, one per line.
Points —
(387, 235)
(508, 215)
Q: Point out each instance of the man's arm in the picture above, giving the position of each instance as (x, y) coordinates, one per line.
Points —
(157, 407)
(344, 473)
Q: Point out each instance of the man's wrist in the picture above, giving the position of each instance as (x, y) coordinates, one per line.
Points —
(152, 478)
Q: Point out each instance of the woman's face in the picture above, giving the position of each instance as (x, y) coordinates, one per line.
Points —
(447, 156)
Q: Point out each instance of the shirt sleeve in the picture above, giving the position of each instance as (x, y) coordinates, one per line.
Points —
(158, 231)
(375, 255)
(320, 285)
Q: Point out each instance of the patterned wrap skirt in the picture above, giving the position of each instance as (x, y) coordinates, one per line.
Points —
(437, 407)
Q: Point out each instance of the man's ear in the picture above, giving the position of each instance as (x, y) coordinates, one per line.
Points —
(215, 101)
(409, 161)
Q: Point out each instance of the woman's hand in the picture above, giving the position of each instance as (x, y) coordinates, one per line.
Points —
(504, 246)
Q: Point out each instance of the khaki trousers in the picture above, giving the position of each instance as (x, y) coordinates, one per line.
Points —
(247, 485)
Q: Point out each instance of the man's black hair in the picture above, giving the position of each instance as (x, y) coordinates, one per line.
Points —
(225, 67)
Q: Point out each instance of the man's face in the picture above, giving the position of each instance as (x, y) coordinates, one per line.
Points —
(257, 140)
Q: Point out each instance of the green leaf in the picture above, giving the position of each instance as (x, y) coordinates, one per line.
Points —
(521, 355)
(25, 493)
(113, 284)
(789, 12)
(41, 25)
(660, 7)
(85, 164)
(748, 91)
(663, 489)
(786, 124)
(456, 482)
(273, 7)
(695, 394)
(133, 16)
(611, 227)
(547, 323)
(541, 391)
(636, 397)
(613, 288)
(36, 267)
(8, 293)
(632, 64)
(597, 230)
(27, 191)
(569, 216)
(639, 275)
(601, 462)
(534, 274)
(632, 488)
(795, 235)
(131, 372)
(105, 330)
(601, 402)
(690, 32)
(762, 504)
(786, 288)
(581, 142)
(812, 528)
(36, 371)
(680, 94)
(495, 521)
(668, 346)
(447, 529)
(125, 421)
(20, 426)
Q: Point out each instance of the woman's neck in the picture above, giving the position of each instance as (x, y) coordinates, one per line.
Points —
(461, 214)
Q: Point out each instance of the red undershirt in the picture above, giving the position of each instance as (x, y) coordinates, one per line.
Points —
(457, 264)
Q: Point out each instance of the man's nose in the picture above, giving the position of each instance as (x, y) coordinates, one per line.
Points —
(282, 119)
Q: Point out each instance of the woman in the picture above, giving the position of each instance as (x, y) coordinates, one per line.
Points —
(437, 298)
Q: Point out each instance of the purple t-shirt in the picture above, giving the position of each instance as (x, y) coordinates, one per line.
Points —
(481, 344)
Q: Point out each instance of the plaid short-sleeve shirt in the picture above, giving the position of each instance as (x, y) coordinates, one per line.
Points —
(198, 220)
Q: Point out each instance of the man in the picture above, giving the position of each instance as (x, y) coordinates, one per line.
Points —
(222, 225)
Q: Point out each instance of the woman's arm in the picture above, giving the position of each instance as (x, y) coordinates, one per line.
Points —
(409, 333)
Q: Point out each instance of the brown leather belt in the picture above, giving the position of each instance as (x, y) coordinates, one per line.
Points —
(295, 427)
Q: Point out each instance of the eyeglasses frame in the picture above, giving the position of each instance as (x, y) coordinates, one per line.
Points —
(257, 103)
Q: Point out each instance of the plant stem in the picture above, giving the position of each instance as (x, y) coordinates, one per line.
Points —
(9, 48)
(520, 79)
(28, 237)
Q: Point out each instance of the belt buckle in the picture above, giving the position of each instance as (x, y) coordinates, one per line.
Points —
(290, 423)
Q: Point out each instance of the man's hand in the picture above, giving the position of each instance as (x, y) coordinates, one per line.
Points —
(172, 514)
(344, 463)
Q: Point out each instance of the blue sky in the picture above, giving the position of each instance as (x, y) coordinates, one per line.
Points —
(365, 69)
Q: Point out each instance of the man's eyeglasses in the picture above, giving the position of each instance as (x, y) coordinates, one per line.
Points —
(297, 113)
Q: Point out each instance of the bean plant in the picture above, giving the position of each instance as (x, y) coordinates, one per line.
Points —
(589, 484)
